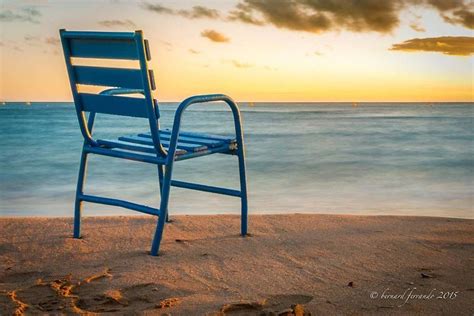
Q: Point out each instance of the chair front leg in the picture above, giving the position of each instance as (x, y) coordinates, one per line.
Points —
(79, 190)
(160, 178)
(165, 193)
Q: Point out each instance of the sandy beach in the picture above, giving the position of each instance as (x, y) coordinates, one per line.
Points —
(290, 265)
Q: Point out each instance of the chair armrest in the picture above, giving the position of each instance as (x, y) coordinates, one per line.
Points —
(117, 91)
(202, 99)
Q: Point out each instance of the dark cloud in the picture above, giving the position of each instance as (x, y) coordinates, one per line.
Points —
(117, 23)
(215, 36)
(243, 13)
(27, 14)
(448, 45)
(455, 11)
(318, 16)
(196, 12)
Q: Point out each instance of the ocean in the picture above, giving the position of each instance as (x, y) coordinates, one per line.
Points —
(332, 158)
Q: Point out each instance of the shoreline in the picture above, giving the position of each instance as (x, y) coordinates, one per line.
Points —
(319, 263)
(133, 214)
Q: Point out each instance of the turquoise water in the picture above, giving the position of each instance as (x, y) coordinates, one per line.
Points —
(398, 159)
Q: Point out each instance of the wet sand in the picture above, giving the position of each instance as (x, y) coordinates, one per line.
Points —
(290, 265)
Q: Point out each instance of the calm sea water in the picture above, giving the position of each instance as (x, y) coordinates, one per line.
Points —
(399, 159)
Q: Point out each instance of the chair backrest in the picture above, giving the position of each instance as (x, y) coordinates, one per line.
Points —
(93, 46)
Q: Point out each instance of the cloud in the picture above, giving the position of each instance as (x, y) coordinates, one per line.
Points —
(447, 45)
(238, 64)
(157, 8)
(26, 14)
(317, 16)
(318, 53)
(243, 13)
(196, 12)
(455, 11)
(31, 38)
(215, 36)
(417, 27)
(53, 41)
(117, 23)
(192, 51)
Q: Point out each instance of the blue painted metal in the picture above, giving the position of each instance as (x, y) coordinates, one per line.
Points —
(205, 188)
(103, 48)
(159, 147)
(109, 77)
(119, 203)
(112, 104)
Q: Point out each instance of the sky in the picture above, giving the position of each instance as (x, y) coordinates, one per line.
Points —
(257, 50)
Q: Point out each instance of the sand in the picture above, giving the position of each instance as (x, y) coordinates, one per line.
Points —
(290, 265)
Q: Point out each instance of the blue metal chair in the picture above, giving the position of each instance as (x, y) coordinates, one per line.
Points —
(159, 147)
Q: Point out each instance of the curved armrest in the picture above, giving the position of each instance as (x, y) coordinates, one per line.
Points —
(201, 99)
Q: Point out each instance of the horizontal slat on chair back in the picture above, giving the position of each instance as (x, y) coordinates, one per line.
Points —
(107, 104)
(111, 77)
(103, 48)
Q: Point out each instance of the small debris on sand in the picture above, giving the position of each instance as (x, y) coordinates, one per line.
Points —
(169, 302)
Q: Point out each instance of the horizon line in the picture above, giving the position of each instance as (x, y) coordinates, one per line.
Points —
(247, 101)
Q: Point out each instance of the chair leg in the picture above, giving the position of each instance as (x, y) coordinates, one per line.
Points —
(243, 190)
(79, 190)
(165, 193)
(160, 177)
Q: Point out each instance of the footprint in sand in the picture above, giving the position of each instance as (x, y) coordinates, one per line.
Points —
(281, 305)
(95, 295)
(90, 295)
(138, 297)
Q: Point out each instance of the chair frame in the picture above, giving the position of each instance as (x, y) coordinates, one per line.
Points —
(164, 159)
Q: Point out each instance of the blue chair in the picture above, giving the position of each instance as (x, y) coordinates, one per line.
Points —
(161, 147)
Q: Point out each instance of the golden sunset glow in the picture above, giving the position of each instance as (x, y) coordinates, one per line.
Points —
(255, 50)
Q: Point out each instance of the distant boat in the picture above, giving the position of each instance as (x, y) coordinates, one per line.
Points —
(27, 103)
(4, 103)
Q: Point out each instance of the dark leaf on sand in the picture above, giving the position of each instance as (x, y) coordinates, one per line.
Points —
(426, 276)
(350, 284)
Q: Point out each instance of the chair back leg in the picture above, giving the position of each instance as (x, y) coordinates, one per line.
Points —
(243, 190)
(79, 190)
(165, 193)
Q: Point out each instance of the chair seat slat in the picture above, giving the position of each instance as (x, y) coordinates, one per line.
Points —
(132, 146)
(226, 139)
(110, 77)
(187, 139)
(148, 141)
